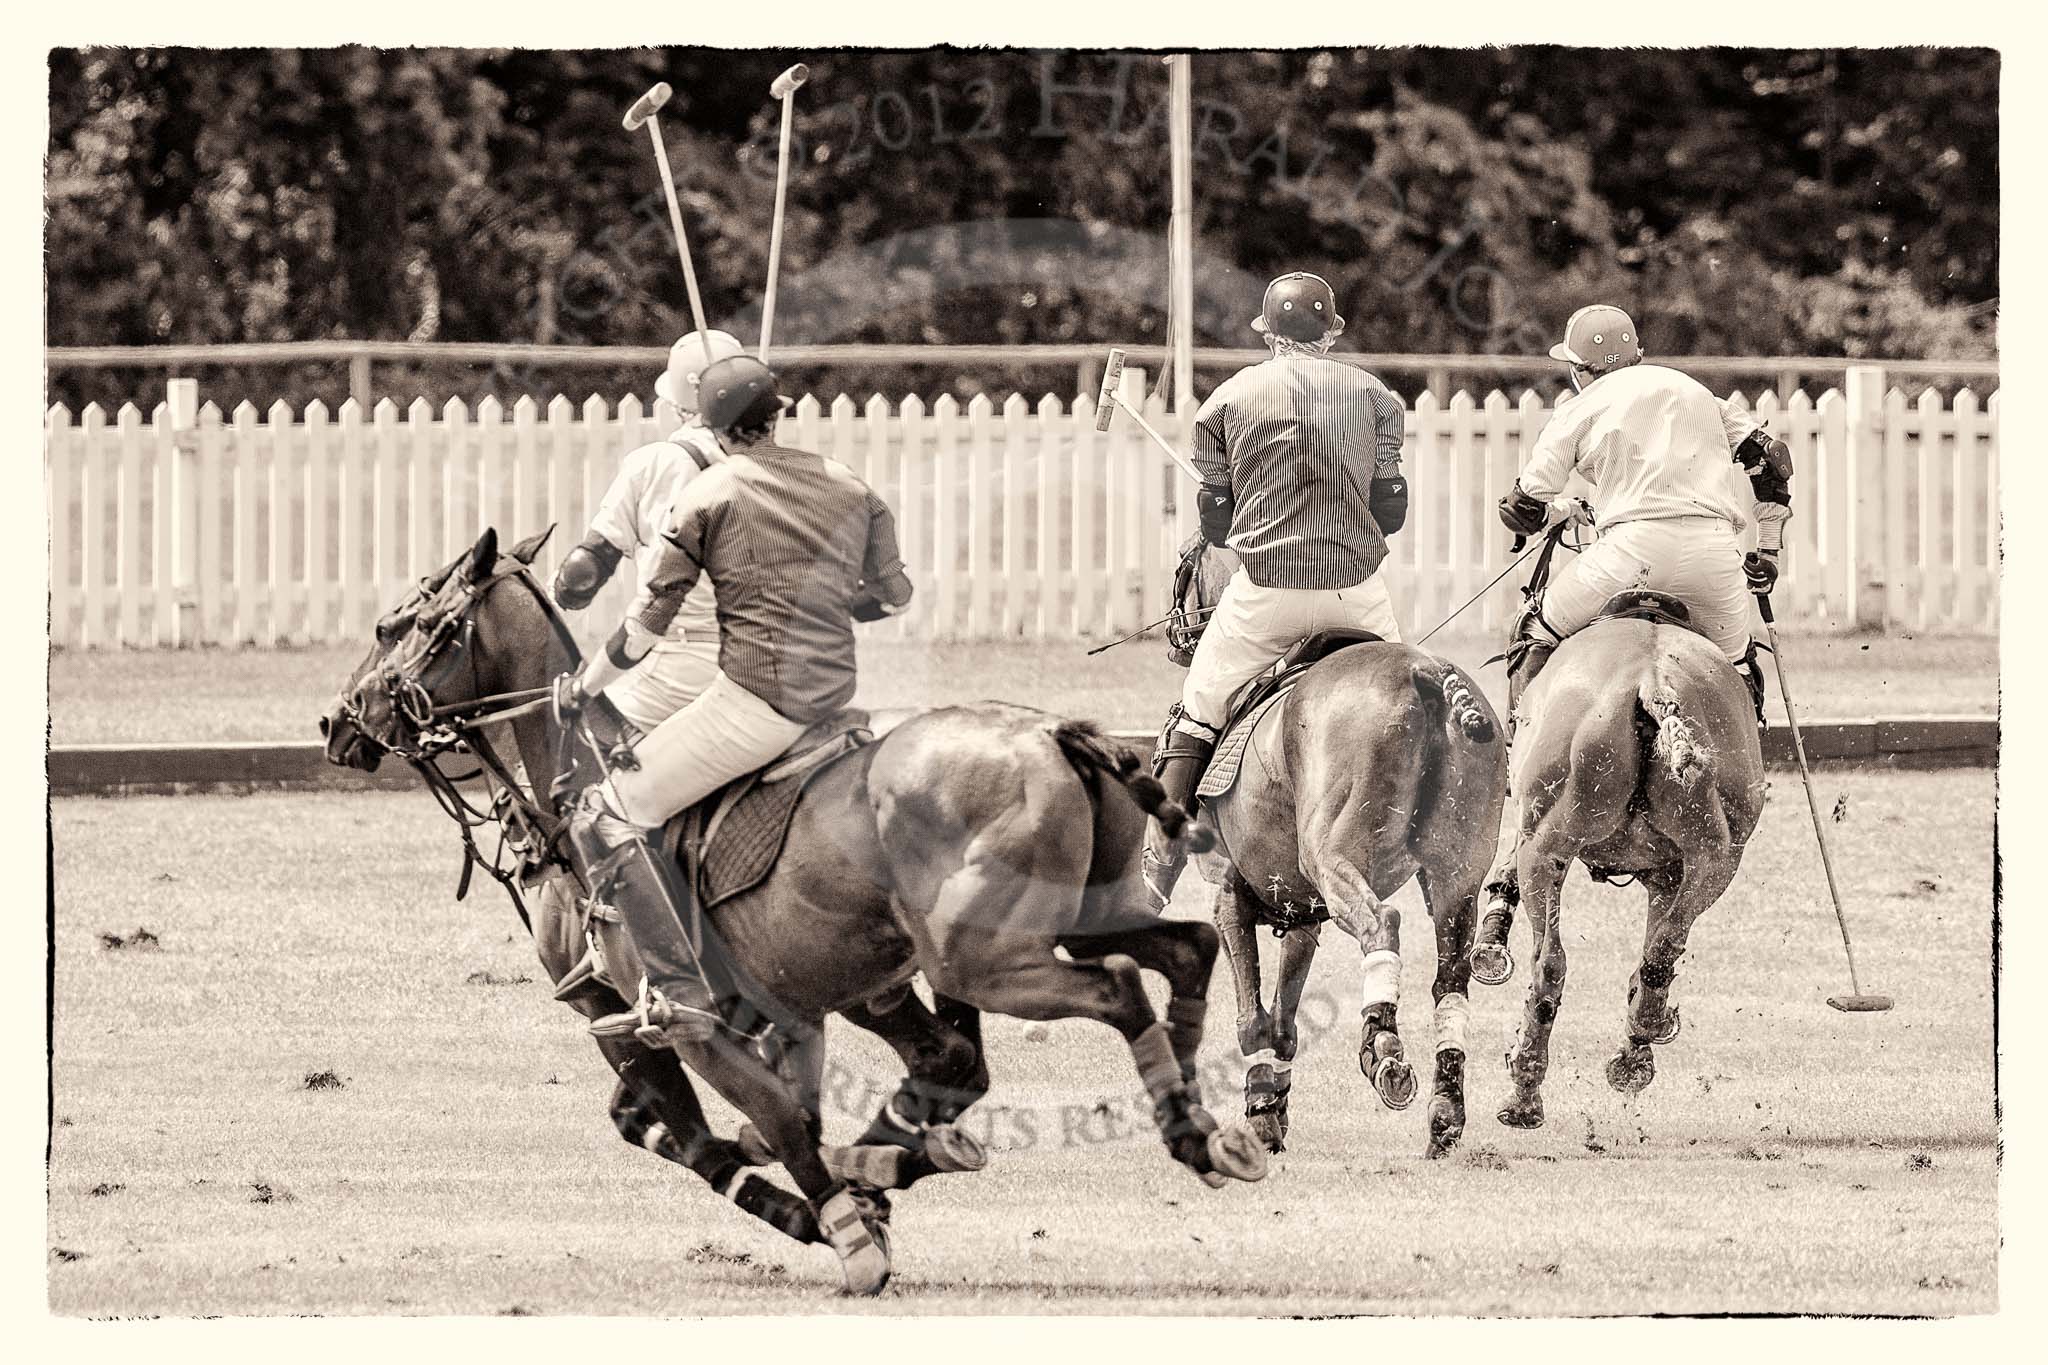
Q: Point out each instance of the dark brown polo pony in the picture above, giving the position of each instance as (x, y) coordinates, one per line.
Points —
(1635, 752)
(1381, 765)
(968, 843)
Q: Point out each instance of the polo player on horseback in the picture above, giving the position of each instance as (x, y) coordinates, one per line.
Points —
(1287, 449)
(630, 520)
(1655, 445)
(797, 548)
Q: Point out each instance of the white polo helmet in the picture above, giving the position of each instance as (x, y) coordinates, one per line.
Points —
(1599, 337)
(678, 383)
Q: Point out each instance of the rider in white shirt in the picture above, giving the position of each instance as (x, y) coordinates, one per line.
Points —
(1656, 447)
(630, 520)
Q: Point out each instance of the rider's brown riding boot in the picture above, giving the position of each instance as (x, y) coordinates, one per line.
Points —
(675, 1003)
(1180, 771)
(1521, 675)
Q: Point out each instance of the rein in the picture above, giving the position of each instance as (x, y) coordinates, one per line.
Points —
(527, 829)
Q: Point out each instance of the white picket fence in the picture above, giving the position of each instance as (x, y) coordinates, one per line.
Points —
(186, 527)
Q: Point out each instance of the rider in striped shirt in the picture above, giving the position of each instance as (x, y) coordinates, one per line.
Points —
(1300, 457)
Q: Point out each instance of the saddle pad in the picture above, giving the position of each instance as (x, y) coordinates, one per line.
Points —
(728, 843)
(1223, 767)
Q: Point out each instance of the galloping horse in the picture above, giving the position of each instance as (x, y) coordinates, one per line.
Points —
(1381, 764)
(1636, 752)
(968, 843)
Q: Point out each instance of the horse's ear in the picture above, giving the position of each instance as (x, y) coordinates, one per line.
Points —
(527, 549)
(483, 556)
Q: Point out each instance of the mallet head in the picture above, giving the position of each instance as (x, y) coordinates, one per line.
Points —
(647, 105)
(1112, 377)
(1860, 1004)
(786, 84)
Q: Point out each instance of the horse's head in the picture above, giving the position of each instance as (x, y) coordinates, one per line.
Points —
(1198, 585)
(449, 641)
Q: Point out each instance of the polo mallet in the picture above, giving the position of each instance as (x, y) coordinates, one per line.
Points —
(643, 111)
(784, 89)
(1111, 400)
(1856, 1002)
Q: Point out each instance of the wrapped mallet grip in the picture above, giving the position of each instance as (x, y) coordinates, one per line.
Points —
(786, 84)
(647, 105)
(1105, 403)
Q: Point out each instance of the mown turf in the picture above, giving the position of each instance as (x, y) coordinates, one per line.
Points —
(107, 696)
(328, 1088)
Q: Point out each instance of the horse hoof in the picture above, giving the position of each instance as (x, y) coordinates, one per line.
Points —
(1270, 1128)
(1446, 1126)
(1631, 1070)
(859, 1237)
(1394, 1079)
(954, 1149)
(1236, 1153)
(753, 1148)
(1522, 1113)
(1492, 964)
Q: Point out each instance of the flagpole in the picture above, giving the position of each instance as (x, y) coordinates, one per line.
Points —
(1181, 232)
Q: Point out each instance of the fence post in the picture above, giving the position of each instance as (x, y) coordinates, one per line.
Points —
(1867, 479)
(182, 409)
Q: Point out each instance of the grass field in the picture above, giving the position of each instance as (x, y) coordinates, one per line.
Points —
(1787, 1158)
(106, 696)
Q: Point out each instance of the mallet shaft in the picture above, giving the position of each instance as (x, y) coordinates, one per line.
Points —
(1186, 465)
(1827, 862)
(775, 229)
(675, 219)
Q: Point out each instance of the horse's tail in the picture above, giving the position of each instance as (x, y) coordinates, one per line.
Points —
(1669, 740)
(1445, 691)
(1094, 754)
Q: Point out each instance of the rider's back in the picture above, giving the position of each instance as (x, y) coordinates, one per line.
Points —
(1654, 443)
(787, 538)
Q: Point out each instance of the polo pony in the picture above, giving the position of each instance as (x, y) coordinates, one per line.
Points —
(969, 843)
(1380, 764)
(1636, 753)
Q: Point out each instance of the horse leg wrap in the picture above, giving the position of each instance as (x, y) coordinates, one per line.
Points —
(1185, 1018)
(1382, 980)
(1157, 1066)
(1453, 1013)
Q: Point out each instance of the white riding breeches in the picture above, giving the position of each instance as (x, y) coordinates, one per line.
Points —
(726, 732)
(668, 679)
(1253, 626)
(1698, 560)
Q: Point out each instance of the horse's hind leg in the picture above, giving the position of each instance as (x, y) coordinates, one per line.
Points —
(1182, 951)
(1677, 897)
(1542, 871)
(989, 949)
(1452, 910)
(1377, 927)
(945, 1073)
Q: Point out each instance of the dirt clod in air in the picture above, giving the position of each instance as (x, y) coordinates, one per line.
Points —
(264, 1192)
(1919, 1161)
(323, 1080)
(487, 977)
(141, 939)
(105, 1188)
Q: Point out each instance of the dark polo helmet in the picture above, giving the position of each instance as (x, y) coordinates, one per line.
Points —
(738, 391)
(1299, 306)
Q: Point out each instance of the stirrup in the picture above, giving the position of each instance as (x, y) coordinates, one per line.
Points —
(658, 1022)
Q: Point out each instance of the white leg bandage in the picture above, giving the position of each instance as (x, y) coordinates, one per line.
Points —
(1453, 1012)
(1382, 979)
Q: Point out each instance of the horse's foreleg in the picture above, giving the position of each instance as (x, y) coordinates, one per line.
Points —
(1452, 913)
(1677, 897)
(736, 1071)
(655, 1107)
(1265, 1080)
(1377, 927)
(1542, 872)
(1297, 952)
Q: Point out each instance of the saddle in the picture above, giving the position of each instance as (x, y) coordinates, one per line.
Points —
(1251, 702)
(727, 843)
(1645, 604)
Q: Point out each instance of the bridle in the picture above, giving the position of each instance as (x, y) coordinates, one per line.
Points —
(529, 830)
